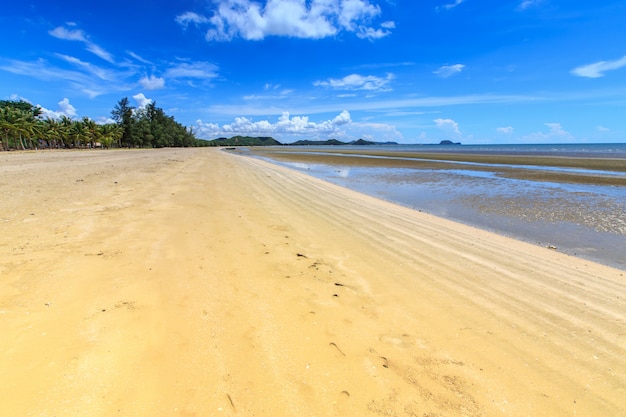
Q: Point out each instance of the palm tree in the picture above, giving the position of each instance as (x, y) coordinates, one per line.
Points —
(110, 133)
(11, 123)
(92, 131)
(52, 129)
(6, 126)
(78, 134)
(65, 126)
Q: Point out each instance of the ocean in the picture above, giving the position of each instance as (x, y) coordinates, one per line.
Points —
(581, 218)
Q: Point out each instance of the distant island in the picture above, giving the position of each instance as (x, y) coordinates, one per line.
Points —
(270, 141)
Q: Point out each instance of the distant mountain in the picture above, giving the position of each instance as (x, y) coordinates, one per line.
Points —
(245, 141)
(331, 142)
(363, 142)
(269, 141)
(335, 142)
(449, 142)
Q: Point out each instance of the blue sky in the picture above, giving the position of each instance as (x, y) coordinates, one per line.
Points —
(475, 71)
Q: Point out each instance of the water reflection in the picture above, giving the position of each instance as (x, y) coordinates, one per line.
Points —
(580, 219)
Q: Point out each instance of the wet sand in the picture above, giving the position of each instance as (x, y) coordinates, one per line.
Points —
(448, 160)
(196, 282)
(563, 202)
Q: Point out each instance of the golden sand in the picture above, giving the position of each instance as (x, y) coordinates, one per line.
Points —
(191, 282)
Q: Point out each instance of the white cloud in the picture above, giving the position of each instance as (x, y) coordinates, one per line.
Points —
(190, 17)
(99, 72)
(98, 51)
(296, 125)
(555, 133)
(450, 5)
(283, 94)
(65, 109)
(142, 100)
(603, 129)
(201, 70)
(314, 19)
(80, 36)
(448, 125)
(525, 4)
(358, 82)
(449, 70)
(597, 69)
(152, 82)
(138, 58)
(371, 33)
(103, 120)
(79, 80)
(68, 35)
(506, 130)
(288, 129)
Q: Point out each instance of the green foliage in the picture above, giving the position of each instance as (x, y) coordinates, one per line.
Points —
(21, 127)
(318, 142)
(245, 141)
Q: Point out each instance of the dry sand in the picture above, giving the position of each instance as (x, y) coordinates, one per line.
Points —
(197, 283)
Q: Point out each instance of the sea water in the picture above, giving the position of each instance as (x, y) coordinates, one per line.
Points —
(584, 220)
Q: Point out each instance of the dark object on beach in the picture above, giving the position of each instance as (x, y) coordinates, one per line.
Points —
(449, 142)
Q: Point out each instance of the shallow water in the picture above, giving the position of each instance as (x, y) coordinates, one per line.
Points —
(584, 220)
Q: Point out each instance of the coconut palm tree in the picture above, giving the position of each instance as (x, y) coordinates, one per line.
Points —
(6, 126)
(53, 132)
(92, 131)
(110, 134)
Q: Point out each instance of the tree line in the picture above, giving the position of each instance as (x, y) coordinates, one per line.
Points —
(23, 127)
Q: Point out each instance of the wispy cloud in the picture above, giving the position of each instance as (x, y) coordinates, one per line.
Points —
(358, 104)
(279, 95)
(318, 19)
(525, 4)
(507, 130)
(597, 69)
(42, 70)
(198, 70)
(450, 5)
(103, 74)
(80, 36)
(449, 70)
(98, 51)
(379, 65)
(358, 82)
(68, 35)
(190, 17)
(139, 58)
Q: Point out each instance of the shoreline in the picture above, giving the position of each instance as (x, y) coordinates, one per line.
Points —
(501, 164)
(533, 204)
(232, 286)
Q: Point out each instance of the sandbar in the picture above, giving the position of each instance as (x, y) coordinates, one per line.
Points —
(531, 167)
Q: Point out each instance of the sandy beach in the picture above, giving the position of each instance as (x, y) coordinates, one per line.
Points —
(193, 282)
